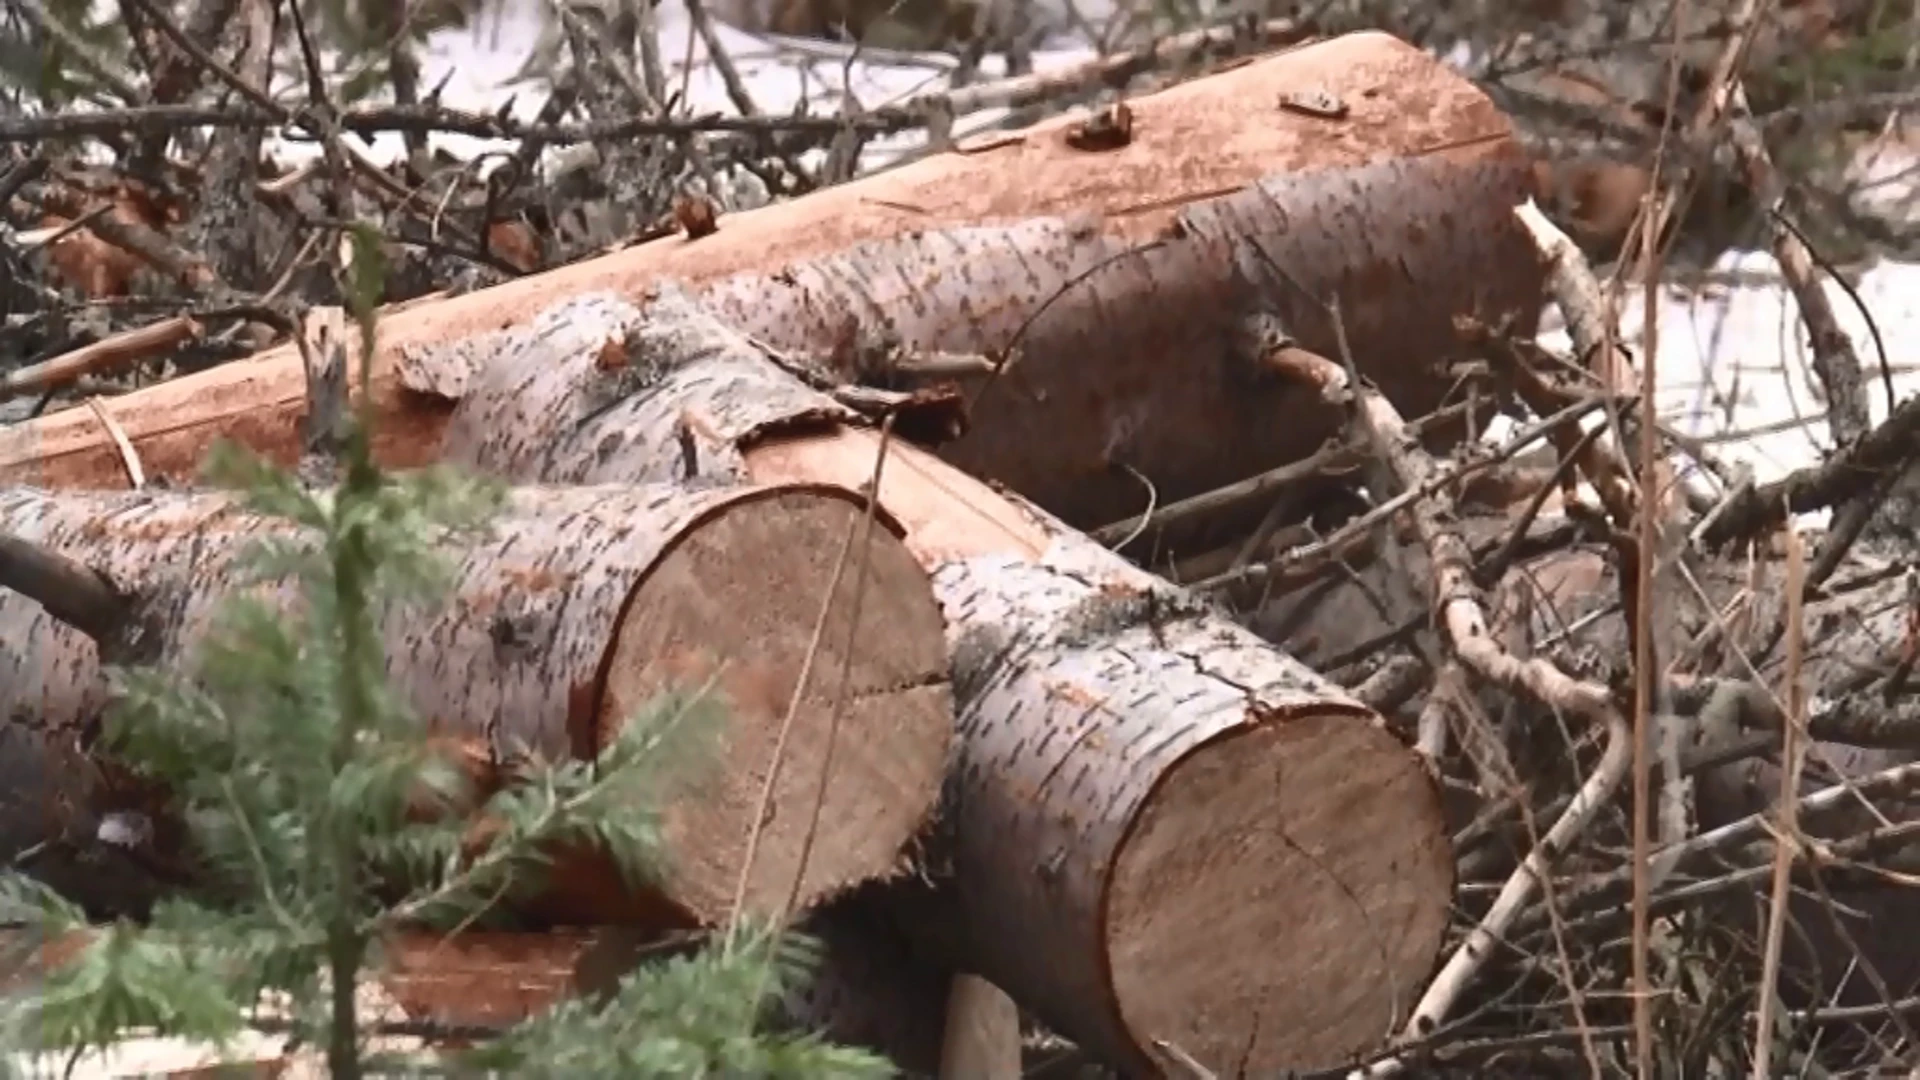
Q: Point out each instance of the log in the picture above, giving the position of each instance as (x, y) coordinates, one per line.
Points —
(451, 991)
(1157, 827)
(869, 989)
(1118, 282)
(572, 612)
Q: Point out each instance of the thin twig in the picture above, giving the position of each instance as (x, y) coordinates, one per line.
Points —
(843, 691)
(765, 799)
(109, 352)
(1786, 837)
(129, 457)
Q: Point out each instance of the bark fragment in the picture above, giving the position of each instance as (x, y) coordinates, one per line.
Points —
(576, 609)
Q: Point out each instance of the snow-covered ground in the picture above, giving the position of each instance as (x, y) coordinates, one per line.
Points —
(1734, 365)
(1732, 360)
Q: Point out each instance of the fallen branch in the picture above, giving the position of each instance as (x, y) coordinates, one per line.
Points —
(69, 590)
(1834, 359)
(110, 352)
(1852, 472)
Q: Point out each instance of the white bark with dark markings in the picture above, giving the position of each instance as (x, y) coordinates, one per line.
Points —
(1120, 281)
(1127, 349)
(1158, 826)
(537, 648)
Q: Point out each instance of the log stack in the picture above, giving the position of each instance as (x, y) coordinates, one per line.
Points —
(1160, 834)
(1126, 753)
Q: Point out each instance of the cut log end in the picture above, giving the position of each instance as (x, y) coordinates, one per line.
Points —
(1313, 850)
(735, 603)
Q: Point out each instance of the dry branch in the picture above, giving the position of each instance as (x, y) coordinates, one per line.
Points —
(1110, 287)
(1862, 715)
(1861, 719)
(122, 348)
(1834, 359)
(1851, 473)
(576, 609)
(75, 594)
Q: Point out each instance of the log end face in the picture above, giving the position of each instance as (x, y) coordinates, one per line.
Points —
(1315, 851)
(736, 601)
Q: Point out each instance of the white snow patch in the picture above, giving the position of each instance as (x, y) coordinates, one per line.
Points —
(1734, 365)
(782, 76)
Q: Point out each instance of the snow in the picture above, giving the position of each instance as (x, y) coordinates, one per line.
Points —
(482, 65)
(1734, 364)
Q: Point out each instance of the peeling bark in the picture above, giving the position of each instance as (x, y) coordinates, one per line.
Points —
(1157, 825)
(1118, 281)
(575, 610)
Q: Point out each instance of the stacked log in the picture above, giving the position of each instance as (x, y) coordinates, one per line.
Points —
(1160, 834)
(1127, 755)
(1109, 292)
(568, 615)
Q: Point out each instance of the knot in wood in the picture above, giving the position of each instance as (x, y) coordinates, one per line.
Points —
(1109, 129)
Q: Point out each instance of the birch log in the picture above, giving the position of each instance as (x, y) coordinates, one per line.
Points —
(575, 609)
(1158, 827)
(1118, 283)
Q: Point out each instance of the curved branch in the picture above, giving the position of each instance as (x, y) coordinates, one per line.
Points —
(71, 591)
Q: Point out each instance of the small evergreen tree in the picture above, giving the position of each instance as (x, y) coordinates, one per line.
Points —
(298, 773)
